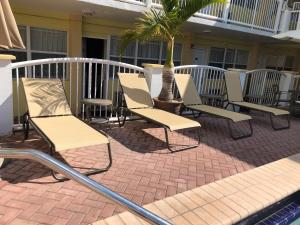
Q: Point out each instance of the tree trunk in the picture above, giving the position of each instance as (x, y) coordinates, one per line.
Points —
(168, 80)
(168, 74)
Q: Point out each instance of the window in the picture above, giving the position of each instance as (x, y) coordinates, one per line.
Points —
(289, 63)
(280, 62)
(40, 43)
(138, 53)
(228, 58)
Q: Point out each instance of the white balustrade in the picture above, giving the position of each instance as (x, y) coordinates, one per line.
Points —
(81, 77)
(260, 85)
(258, 14)
(209, 81)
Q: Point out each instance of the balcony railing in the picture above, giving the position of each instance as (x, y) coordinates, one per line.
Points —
(294, 23)
(260, 85)
(81, 77)
(259, 14)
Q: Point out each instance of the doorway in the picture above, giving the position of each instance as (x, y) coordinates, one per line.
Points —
(93, 48)
(199, 56)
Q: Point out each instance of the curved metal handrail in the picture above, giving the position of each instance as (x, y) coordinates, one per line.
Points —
(38, 62)
(72, 174)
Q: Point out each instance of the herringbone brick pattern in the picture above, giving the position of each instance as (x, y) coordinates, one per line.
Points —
(143, 170)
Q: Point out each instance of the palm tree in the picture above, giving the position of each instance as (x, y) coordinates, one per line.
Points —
(164, 25)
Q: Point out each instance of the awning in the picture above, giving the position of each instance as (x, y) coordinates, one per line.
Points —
(9, 33)
(293, 35)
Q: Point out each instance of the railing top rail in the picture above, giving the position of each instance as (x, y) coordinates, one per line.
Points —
(264, 70)
(199, 66)
(74, 60)
(72, 174)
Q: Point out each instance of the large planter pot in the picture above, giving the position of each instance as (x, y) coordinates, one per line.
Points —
(170, 106)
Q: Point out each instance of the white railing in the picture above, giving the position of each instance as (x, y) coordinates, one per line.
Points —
(296, 6)
(260, 85)
(209, 82)
(294, 23)
(261, 14)
(258, 14)
(137, 2)
(82, 78)
(295, 83)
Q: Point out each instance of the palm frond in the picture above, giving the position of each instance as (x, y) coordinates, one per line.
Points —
(152, 25)
(169, 5)
(190, 7)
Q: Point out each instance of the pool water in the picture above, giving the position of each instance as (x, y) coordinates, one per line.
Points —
(296, 222)
(289, 214)
(285, 212)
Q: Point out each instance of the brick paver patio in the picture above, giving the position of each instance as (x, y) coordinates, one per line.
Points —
(143, 170)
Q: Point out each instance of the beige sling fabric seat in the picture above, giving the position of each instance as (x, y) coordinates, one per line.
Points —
(49, 113)
(139, 102)
(235, 98)
(192, 101)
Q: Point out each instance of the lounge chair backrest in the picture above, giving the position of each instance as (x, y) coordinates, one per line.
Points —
(45, 97)
(233, 86)
(135, 90)
(187, 89)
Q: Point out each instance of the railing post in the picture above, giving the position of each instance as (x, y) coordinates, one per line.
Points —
(226, 11)
(286, 84)
(6, 95)
(278, 16)
(153, 74)
(298, 22)
(148, 3)
(254, 14)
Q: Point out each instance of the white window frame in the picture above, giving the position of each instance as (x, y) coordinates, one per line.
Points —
(224, 57)
(28, 49)
(136, 57)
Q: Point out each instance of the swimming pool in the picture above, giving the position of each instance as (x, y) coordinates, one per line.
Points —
(284, 212)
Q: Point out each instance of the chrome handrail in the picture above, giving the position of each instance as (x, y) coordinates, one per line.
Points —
(72, 174)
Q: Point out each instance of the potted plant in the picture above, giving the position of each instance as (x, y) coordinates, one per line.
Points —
(164, 24)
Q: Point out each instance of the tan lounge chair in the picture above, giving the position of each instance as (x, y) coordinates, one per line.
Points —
(192, 101)
(139, 102)
(235, 98)
(49, 113)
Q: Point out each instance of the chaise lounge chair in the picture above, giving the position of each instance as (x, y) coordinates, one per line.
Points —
(50, 115)
(235, 98)
(192, 101)
(139, 102)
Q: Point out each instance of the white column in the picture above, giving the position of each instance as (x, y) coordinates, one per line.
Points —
(148, 3)
(153, 74)
(285, 21)
(6, 95)
(285, 85)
